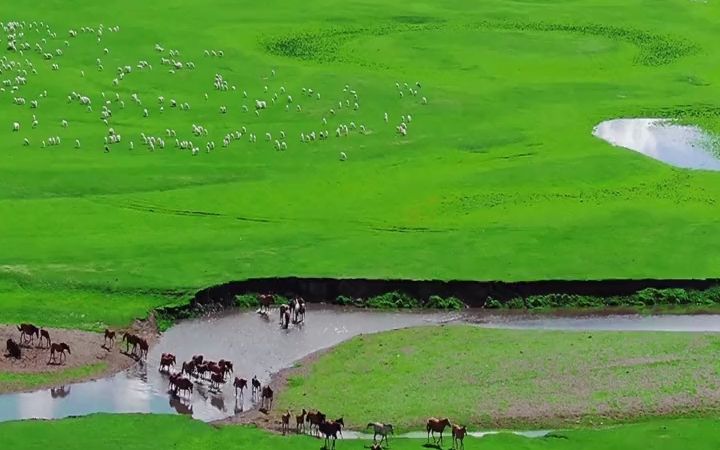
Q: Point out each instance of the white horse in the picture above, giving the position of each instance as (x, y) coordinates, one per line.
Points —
(382, 429)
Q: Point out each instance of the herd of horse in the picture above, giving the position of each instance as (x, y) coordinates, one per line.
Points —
(294, 309)
(28, 334)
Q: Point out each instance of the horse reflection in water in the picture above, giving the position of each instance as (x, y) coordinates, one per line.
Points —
(181, 405)
(238, 405)
(60, 392)
(218, 402)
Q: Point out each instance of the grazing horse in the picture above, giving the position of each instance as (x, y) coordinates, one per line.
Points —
(300, 422)
(44, 334)
(266, 300)
(241, 384)
(458, 435)
(143, 345)
(315, 419)
(198, 359)
(58, 348)
(13, 349)
(109, 337)
(28, 330)
(331, 430)
(286, 422)
(266, 398)
(381, 429)
(167, 360)
(436, 426)
(255, 385)
(216, 379)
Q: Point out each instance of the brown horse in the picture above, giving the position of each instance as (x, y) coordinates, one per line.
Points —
(28, 332)
(44, 334)
(284, 309)
(266, 398)
(109, 337)
(130, 339)
(255, 385)
(201, 370)
(143, 346)
(13, 349)
(167, 361)
(436, 426)
(300, 422)
(216, 379)
(458, 435)
(315, 419)
(226, 366)
(198, 359)
(188, 367)
(241, 384)
(59, 349)
(183, 384)
(266, 300)
(286, 422)
(330, 430)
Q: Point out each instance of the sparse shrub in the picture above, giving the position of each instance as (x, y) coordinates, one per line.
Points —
(437, 302)
(247, 301)
(392, 300)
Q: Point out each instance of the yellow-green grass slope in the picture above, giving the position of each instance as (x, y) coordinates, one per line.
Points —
(510, 378)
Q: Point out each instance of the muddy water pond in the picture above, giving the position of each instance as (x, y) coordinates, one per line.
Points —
(683, 146)
(258, 346)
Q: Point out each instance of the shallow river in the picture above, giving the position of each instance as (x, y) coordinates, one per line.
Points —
(258, 346)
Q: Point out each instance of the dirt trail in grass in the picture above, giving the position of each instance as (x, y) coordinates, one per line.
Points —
(87, 349)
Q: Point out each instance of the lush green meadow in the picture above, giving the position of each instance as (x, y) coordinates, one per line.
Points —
(498, 177)
(510, 378)
(136, 432)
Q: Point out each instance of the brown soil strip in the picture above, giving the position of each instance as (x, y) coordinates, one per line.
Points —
(87, 349)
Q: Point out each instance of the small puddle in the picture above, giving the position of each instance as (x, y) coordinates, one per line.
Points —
(258, 346)
(683, 146)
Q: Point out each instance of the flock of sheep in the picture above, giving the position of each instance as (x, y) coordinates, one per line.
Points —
(27, 38)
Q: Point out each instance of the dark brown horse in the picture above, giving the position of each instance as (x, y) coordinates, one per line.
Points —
(58, 349)
(28, 332)
(188, 367)
(167, 361)
(286, 320)
(255, 385)
(266, 398)
(239, 384)
(198, 359)
(143, 346)
(216, 379)
(226, 366)
(331, 429)
(458, 435)
(436, 426)
(284, 309)
(286, 422)
(179, 383)
(130, 339)
(315, 419)
(300, 422)
(109, 337)
(13, 349)
(44, 334)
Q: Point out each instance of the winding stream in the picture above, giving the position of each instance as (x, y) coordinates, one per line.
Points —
(258, 346)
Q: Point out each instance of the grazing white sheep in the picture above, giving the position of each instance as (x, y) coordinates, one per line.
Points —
(77, 143)
(26, 142)
(409, 118)
(343, 156)
(283, 145)
(16, 126)
(145, 112)
(424, 101)
(268, 137)
(64, 123)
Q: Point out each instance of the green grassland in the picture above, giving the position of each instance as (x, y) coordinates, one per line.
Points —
(499, 177)
(138, 432)
(510, 378)
(11, 382)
